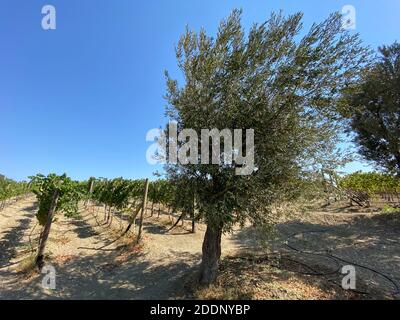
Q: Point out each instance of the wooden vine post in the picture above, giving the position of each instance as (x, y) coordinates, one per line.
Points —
(169, 213)
(146, 189)
(91, 185)
(194, 215)
(46, 231)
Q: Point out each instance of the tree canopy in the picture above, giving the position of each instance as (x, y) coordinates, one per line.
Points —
(375, 111)
(284, 86)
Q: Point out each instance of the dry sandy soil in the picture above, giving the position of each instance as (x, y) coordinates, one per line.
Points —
(305, 258)
(90, 263)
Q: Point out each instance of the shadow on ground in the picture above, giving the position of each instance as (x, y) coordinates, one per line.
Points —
(370, 243)
(95, 277)
(12, 237)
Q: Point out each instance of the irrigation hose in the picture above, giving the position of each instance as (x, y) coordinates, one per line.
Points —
(335, 258)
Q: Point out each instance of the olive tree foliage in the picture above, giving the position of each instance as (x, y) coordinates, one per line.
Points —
(375, 111)
(271, 79)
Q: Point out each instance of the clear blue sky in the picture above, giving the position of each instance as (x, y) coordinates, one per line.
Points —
(80, 99)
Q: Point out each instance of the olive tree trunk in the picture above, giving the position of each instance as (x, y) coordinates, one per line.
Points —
(46, 231)
(211, 255)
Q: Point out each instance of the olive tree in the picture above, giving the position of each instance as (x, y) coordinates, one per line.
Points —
(375, 111)
(282, 83)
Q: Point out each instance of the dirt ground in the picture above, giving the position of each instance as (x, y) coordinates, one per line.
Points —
(304, 259)
(90, 263)
(341, 235)
(87, 260)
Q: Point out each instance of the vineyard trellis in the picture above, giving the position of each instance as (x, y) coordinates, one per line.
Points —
(54, 193)
(12, 191)
(365, 188)
(62, 194)
(362, 188)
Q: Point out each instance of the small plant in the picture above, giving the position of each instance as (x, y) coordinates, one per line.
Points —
(390, 210)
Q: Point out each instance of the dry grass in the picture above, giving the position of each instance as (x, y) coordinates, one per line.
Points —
(61, 240)
(63, 259)
(241, 278)
(27, 265)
